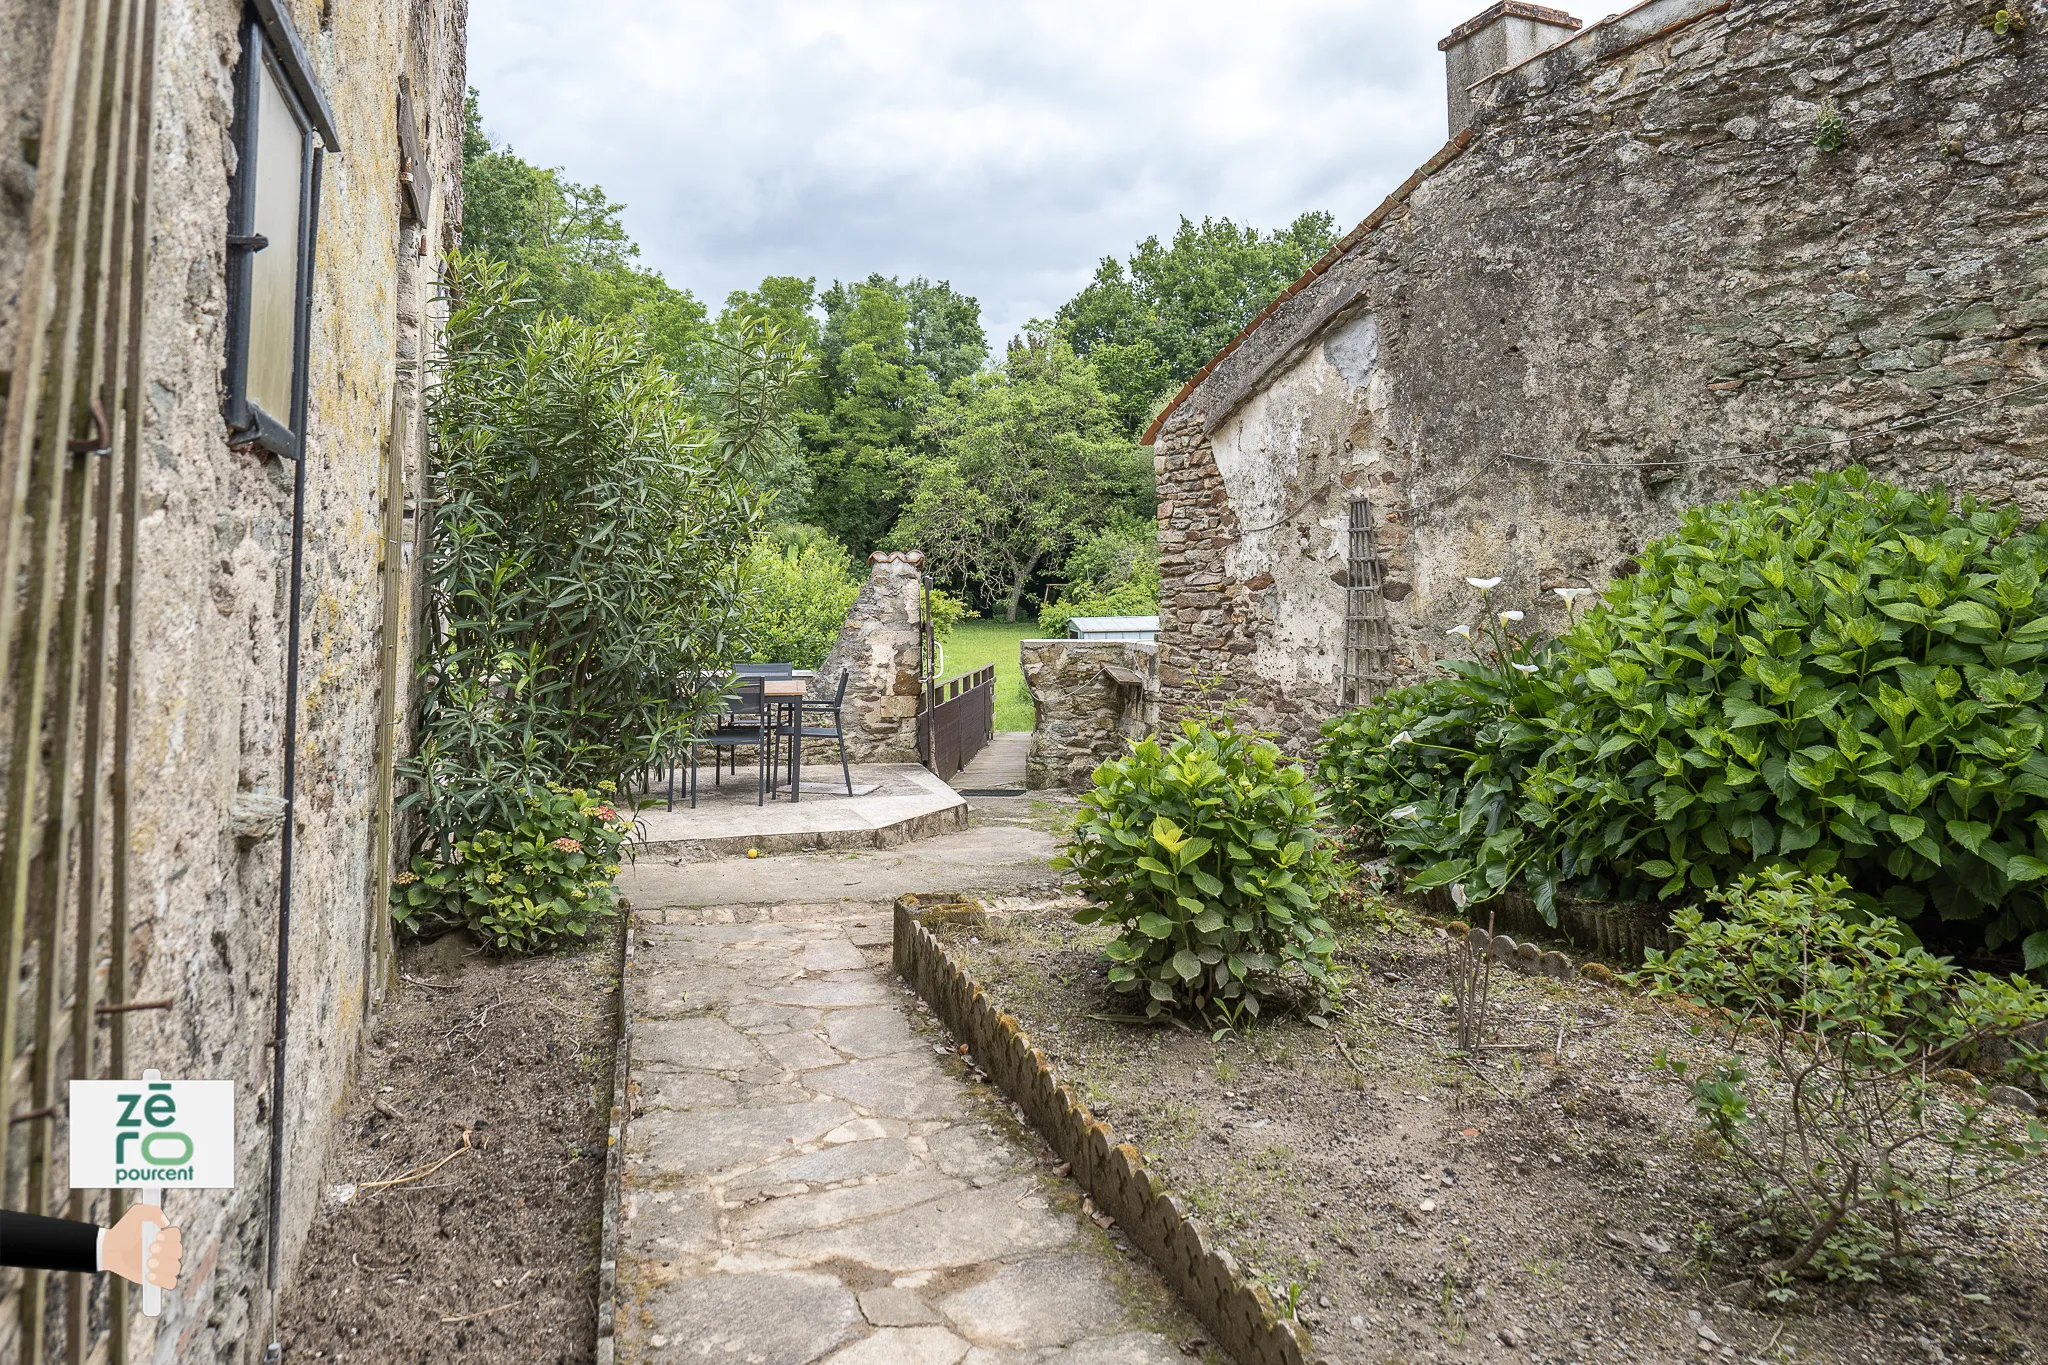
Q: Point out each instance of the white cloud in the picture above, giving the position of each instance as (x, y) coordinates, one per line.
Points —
(1005, 147)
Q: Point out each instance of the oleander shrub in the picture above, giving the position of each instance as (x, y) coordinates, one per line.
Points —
(543, 882)
(1209, 856)
(1835, 676)
(1822, 1101)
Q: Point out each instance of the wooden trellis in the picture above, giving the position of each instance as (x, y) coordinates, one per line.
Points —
(1368, 634)
(68, 513)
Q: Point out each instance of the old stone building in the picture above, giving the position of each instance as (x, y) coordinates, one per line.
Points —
(1692, 248)
(220, 223)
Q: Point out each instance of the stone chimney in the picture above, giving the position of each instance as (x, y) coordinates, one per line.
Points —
(1500, 35)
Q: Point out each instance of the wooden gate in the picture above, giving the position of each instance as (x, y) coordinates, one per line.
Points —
(958, 717)
(69, 451)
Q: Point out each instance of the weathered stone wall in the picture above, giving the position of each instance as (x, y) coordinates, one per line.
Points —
(882, 644)
(1091, 698)
(211, 605)
(1638, 285)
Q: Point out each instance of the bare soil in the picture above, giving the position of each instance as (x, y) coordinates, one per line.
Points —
(501, 1070)
(1551, 1204)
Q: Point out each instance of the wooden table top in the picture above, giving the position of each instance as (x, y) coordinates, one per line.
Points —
(782, 687)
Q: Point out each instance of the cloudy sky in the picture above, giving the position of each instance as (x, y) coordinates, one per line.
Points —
(1004, 146)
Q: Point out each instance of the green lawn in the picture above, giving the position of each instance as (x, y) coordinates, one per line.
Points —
(974, 643)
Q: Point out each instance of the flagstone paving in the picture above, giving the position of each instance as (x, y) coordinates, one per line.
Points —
(810, 1175)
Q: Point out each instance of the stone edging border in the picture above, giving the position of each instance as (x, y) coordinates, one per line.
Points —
(1617, 932)
(1240, 1314)
(614, 1157)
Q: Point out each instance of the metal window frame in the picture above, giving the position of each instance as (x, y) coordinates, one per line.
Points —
(248, 423)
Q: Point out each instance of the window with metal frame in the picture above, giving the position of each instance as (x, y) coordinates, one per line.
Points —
(278, 112)
(1368, 633)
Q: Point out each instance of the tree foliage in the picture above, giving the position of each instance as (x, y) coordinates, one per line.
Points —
(1149, 323)
(1112, 572)
(1029, 462)
(888, 351)
(800, 585)
(582, 594)
(576, 255)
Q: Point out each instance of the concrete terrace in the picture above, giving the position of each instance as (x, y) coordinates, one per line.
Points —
(892, 804)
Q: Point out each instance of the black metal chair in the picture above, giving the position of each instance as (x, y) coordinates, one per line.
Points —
(837, 730)
(741, 724)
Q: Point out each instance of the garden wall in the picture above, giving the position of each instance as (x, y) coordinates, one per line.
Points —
(1091, 698)
(882, 645)
(1637, 284)
(1240, 1313)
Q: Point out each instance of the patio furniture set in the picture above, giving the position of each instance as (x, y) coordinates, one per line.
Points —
(765, 709)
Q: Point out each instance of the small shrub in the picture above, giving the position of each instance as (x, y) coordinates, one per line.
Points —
(1830, 129)
(798, 592)
(1824, 1102)
(543, 883)
(1209, 857)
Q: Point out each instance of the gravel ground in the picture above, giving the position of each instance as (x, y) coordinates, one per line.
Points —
(1552, 1205)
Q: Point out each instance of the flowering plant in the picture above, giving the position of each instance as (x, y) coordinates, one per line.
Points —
(1445, 779)
(545, 882)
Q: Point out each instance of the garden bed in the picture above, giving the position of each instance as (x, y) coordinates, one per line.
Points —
(492, 1256)
(1552, 1205)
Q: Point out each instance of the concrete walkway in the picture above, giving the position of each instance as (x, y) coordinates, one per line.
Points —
(809, 1175)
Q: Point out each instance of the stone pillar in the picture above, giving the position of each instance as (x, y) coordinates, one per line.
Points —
(881, 645)
(1092, 697)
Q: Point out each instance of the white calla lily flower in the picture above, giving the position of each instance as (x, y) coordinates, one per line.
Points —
(1572, 595)
(1402, 813)
(1465, 631)
(1484, 584)
(1525, 670)
(1398, 740)
(1507, 616)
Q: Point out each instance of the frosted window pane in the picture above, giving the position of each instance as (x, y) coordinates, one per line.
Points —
(274, 271)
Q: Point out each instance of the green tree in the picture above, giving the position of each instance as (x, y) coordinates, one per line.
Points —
(1030, 461)
(1151, 323)
(574, 252)
(800, 585)
(582, 582)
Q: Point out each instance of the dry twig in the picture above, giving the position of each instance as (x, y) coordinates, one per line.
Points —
(483, 1313)
(420, 1174)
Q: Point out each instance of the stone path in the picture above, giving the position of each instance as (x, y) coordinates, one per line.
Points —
(809, 1176)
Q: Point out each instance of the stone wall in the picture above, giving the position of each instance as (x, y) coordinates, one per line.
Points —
(1636, 284)
(211, 609)
(1091, 698)
(882, 644)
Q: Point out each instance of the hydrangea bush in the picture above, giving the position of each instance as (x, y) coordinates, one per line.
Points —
(543, 883)
(1836, 676)
(1210, 858)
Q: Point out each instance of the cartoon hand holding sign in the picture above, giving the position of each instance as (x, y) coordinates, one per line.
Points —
(142, 1135)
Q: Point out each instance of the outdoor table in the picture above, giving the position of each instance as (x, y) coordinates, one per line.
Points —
(782, 697)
